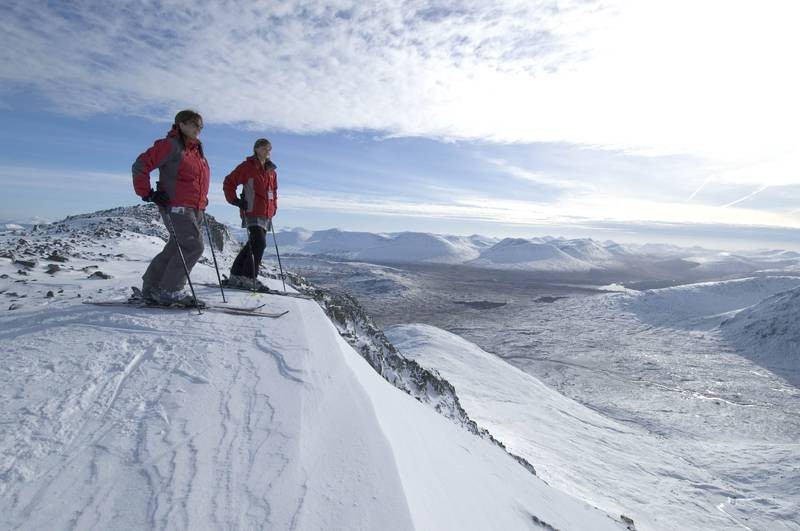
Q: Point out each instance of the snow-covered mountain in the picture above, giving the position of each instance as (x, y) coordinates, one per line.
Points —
(768, 333)
(518, 253)
(545, 254)
(167, 419)
(402, 247)
(693, 305)
(21, 224)
(758, 316)
(11, 226)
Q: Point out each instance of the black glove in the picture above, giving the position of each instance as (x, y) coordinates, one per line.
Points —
(159, 197)
(242, 203)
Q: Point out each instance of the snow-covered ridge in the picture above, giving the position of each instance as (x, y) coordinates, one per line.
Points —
(768, 333)
(758, 316)
(545, 254)
(518, 253)
(67, 238)
(710, 301)
(424, 384)
(179, 421)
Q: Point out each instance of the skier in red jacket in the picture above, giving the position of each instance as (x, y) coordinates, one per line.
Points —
(181, 194)
(257, 206)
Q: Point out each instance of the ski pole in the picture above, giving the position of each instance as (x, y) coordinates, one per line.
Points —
(275, 239)
(214, 255)
(171, 229)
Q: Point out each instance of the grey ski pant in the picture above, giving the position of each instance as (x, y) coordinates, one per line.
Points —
(166, 269)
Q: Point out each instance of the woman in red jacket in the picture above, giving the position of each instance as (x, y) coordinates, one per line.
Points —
(257, 206)
(181, 194)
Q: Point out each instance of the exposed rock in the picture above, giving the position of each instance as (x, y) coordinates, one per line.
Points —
(26, 263)
(64, 240)
(50, 294)
(53, 269)
(99, 275)
(481, 305)
(628, 521)
(219, 233)
(548, 299)
(14, 306)
(55, 257)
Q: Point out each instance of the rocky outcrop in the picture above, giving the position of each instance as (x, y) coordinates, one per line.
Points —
(59, 241)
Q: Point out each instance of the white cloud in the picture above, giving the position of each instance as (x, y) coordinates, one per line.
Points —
(712, 79)
(537, 177)
(591, 208)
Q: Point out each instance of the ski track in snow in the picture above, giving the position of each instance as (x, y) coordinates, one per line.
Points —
(105, 420)
(286, 370)
(122, 399)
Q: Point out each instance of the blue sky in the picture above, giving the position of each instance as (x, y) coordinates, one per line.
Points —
(633, 121)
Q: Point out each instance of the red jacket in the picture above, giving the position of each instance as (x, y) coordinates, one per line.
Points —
(260, 187)
(183, 172)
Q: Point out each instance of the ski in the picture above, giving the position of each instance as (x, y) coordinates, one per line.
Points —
(264, 290)
(233, 310)
(138, 298)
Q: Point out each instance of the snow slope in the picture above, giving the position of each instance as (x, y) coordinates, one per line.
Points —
(768, 333)
(660, 482)
(165, 419)
(757, 316)
(710, 302)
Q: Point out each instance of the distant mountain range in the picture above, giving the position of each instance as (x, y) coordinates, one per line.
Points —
(17, 224)
(545, 254)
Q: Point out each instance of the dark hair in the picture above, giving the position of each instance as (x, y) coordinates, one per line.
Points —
(186, 115)
(261, 142)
